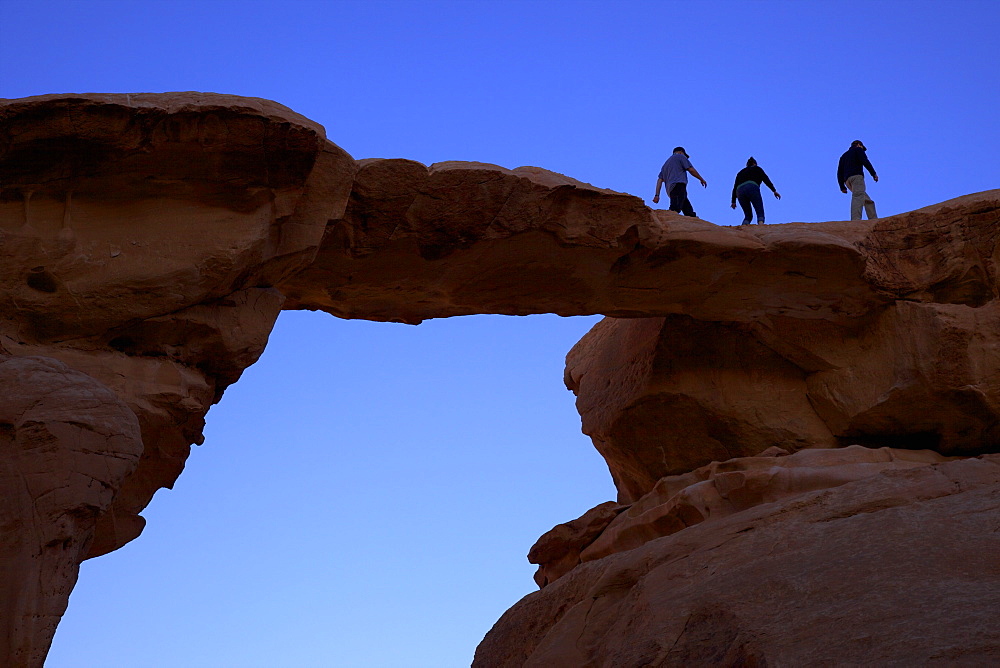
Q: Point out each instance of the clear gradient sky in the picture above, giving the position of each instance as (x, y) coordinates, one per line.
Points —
(367, 492)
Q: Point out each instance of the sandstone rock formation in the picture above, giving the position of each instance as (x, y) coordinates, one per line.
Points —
(898, 569)
(662, 396)
(148, 242)
(463, 238)
(67, 444)
(709, 493)
(741, 562)
(140, 239)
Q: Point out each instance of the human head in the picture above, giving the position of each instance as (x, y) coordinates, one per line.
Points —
(680, 149)
(858, 142)
(751, 162)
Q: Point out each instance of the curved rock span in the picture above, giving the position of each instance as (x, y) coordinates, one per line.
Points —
(149, 241)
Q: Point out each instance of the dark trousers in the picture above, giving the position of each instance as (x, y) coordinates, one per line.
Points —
(749, 195)
(679, 201)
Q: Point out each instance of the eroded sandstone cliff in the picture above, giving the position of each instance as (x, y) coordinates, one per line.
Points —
(148, 242)
(140, 240)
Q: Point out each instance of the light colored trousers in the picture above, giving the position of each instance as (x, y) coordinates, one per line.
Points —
(859, 197)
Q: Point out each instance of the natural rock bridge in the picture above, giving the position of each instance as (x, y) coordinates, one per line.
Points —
(149, 242)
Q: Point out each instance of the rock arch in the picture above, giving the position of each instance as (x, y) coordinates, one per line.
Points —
(150, 240)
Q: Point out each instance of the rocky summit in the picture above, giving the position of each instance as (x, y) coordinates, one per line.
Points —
(802, 420)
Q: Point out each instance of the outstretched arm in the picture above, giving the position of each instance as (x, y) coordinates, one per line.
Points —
(770, 185)
(695, 174)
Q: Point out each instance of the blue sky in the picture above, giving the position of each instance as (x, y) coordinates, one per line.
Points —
(367, 492)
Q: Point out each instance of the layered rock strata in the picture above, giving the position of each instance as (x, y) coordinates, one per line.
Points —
(148, 242)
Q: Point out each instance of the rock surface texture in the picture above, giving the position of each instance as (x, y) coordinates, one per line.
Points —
(141, 237)
(801, 419)
(68, 443)
(898, 569)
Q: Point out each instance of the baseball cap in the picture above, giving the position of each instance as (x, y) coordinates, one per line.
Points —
(860, 143)
(681, 149)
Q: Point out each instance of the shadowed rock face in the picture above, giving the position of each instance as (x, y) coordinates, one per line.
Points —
(67, 444)
(141, 235)
(461, 238)
(148, 242)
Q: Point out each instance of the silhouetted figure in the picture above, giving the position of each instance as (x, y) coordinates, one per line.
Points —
(674, 173)
(851, 174)
(747, 189)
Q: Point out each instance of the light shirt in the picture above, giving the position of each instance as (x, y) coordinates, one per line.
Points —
(674, 170)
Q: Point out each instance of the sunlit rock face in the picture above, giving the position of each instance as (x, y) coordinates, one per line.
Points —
(128, 206)
(753, 526)
(149, 241)
(707, 494)
(895, 569)
(663, 396)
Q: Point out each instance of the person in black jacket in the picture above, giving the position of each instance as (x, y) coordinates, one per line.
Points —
(747, 189)
(851, 174)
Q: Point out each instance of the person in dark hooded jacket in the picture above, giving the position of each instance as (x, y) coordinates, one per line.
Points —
(747, 189)
(851, 175)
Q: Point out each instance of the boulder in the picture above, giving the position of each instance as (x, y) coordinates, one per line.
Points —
(896, 569)
(662, 396)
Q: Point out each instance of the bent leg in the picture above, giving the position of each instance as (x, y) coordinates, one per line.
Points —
(688, 209)
(856, 184)
(870, 207)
